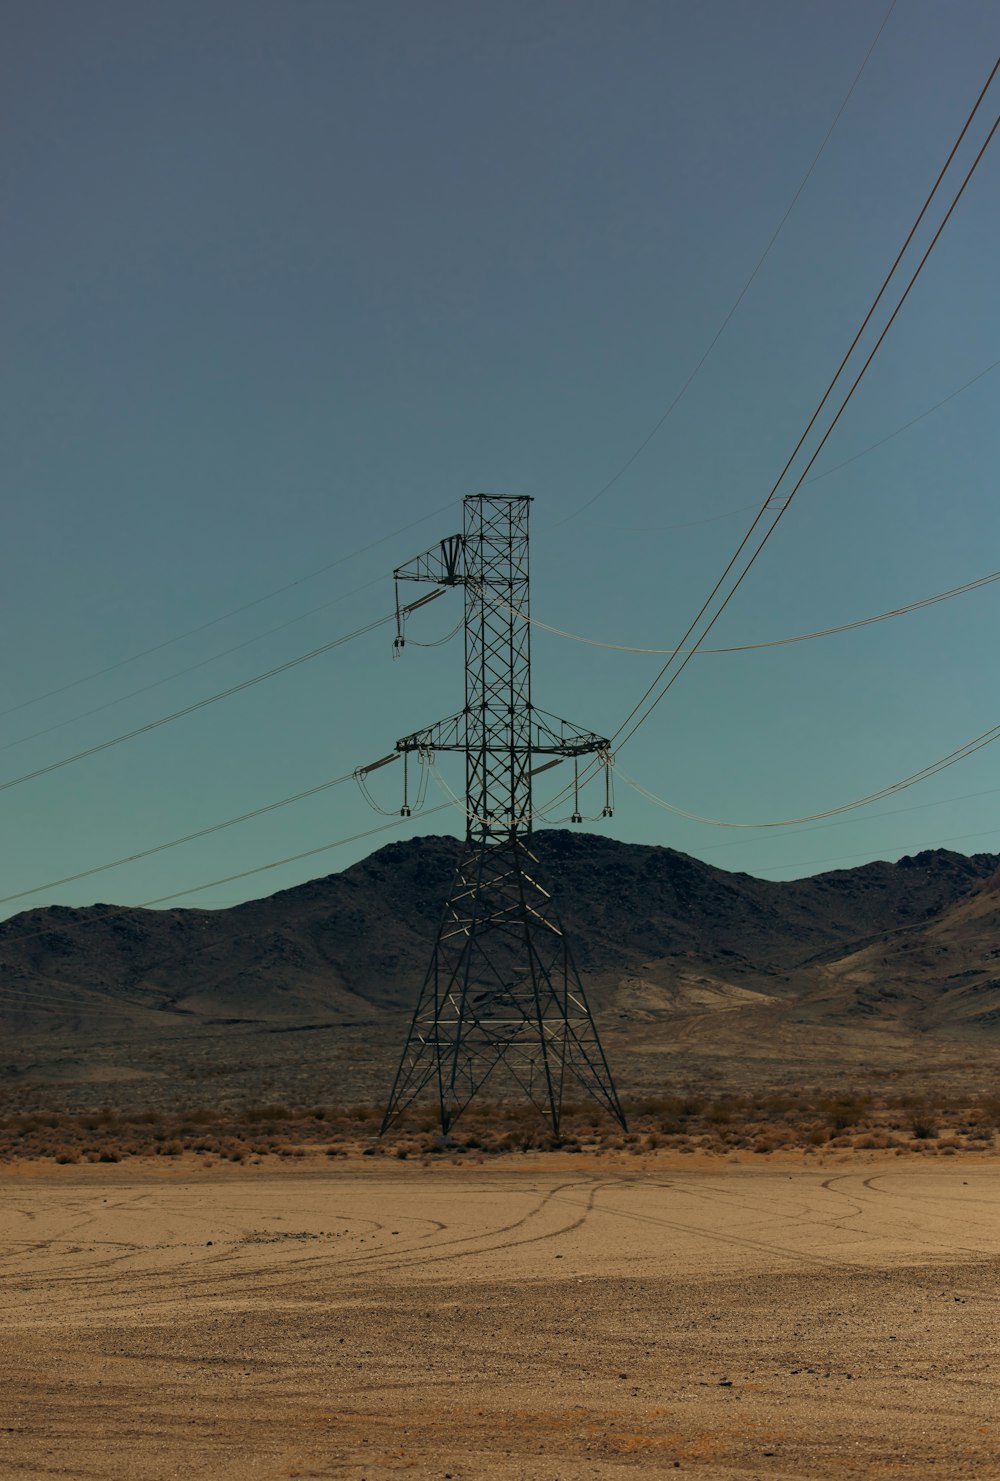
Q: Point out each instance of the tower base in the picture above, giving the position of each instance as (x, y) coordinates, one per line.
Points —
(502, 1000)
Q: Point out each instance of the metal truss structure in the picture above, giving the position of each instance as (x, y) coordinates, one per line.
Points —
(502, 998)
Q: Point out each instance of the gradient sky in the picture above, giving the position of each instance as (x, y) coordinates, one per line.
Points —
(280, 279)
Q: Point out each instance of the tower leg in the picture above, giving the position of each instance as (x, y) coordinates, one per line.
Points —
(502, 1000)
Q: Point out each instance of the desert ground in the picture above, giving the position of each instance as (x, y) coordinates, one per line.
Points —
(539, 1317)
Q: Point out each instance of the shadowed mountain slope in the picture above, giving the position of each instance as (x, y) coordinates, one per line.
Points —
(942, 972)
(654, 931)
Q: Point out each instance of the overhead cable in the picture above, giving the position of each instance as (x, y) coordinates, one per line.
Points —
(28, 999)
(159, 848)
(407, 809)
(308, 853)
(211, 699)
(191, 667)
(233, 612)
(658, 689)
(866, 854)
(16, 938)
(435, 642)
(711, 519)
(891, 812)
(824, 632)
(898, 431)
(653, 694)
(961, 753)
(740, 297)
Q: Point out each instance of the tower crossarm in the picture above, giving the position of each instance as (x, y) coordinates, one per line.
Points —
(442, 564)
(548, 736)
(443, 735)
(555, 737)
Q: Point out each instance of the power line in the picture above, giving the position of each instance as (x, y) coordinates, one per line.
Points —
(200, 704)
(711, 519)
(961, 753)
(842, 822)
(233, 612)
(191, 668)
(627, 727)
(60, 995)
(892, 812)
(839, 858)
(16, 938)
(308, 853)
(31, 1001)
(742, 294)
(824, 632)
(55, 997)
(160, 848)
(898, 431)
(626, 730)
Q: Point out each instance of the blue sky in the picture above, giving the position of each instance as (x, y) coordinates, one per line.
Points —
(279, 280)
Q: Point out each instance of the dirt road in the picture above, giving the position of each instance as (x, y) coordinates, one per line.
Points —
(535, 1321)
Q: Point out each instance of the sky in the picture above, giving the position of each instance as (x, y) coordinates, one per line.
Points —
(281, 283)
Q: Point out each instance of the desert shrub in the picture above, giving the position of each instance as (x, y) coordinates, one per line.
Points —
(265, 1113)
(845, 1111)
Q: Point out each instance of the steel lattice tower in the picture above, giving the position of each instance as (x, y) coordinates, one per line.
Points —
(501, 989)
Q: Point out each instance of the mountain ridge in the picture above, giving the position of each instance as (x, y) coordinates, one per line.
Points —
(655, 933)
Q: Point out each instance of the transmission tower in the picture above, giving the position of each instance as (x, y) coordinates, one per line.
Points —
(502, 996)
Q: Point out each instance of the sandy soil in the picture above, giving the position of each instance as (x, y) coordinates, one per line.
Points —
(549, 1321)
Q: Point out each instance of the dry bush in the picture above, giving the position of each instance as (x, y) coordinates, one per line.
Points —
(718, 1123)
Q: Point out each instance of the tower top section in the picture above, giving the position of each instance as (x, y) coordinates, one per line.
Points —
(499, 728)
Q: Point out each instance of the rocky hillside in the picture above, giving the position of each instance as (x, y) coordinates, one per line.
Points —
(655, 933)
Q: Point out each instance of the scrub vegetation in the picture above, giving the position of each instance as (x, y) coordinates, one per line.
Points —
(809, 1122)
